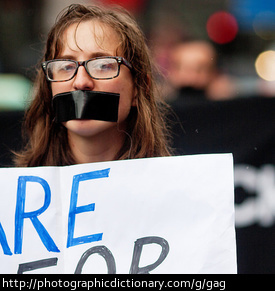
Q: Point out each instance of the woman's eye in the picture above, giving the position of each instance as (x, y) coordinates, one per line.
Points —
(67, 67)
(106, 67)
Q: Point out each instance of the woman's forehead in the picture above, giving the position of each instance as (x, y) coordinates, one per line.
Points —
(89, 36)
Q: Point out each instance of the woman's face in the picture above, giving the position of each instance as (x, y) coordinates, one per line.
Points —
(87, 40)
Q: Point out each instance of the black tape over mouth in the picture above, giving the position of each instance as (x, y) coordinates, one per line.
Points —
(80, 104)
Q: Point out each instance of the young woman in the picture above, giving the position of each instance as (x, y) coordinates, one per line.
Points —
(97, 50)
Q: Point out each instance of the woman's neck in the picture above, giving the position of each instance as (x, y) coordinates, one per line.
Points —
(98, 148)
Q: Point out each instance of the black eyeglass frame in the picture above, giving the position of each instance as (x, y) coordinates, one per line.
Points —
(120, 61)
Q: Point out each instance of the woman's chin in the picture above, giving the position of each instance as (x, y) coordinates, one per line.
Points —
(88, 127)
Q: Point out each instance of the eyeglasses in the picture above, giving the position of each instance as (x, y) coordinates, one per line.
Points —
(100, 68)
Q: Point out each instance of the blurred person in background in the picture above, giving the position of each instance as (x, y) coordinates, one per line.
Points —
(193, 73)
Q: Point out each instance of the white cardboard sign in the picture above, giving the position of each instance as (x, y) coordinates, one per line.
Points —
(157, 215)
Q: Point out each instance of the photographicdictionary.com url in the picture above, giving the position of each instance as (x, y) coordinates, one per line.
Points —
(43, 283)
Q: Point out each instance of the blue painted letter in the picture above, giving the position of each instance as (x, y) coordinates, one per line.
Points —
(20, 214)
(74, 209)
(3, 242)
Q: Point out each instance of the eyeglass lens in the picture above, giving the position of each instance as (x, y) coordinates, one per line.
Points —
(62, 70)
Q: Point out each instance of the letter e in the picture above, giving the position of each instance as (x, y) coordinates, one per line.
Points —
(74, 209)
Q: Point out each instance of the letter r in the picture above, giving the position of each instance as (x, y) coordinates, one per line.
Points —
(20, 214)
(135, 269)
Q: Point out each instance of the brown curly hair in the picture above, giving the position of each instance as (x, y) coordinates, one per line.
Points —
(46, 140)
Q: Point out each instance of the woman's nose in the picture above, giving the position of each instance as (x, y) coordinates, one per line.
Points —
(82, 80)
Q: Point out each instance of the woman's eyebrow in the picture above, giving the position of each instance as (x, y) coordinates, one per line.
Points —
(93, 55)
(66, 57)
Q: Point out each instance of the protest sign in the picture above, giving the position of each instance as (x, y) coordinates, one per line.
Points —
(157, 215)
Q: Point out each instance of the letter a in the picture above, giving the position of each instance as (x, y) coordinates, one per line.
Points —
(3, 242)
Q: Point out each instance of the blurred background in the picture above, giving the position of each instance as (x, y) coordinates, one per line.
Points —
(242, 32)
(217, 64)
